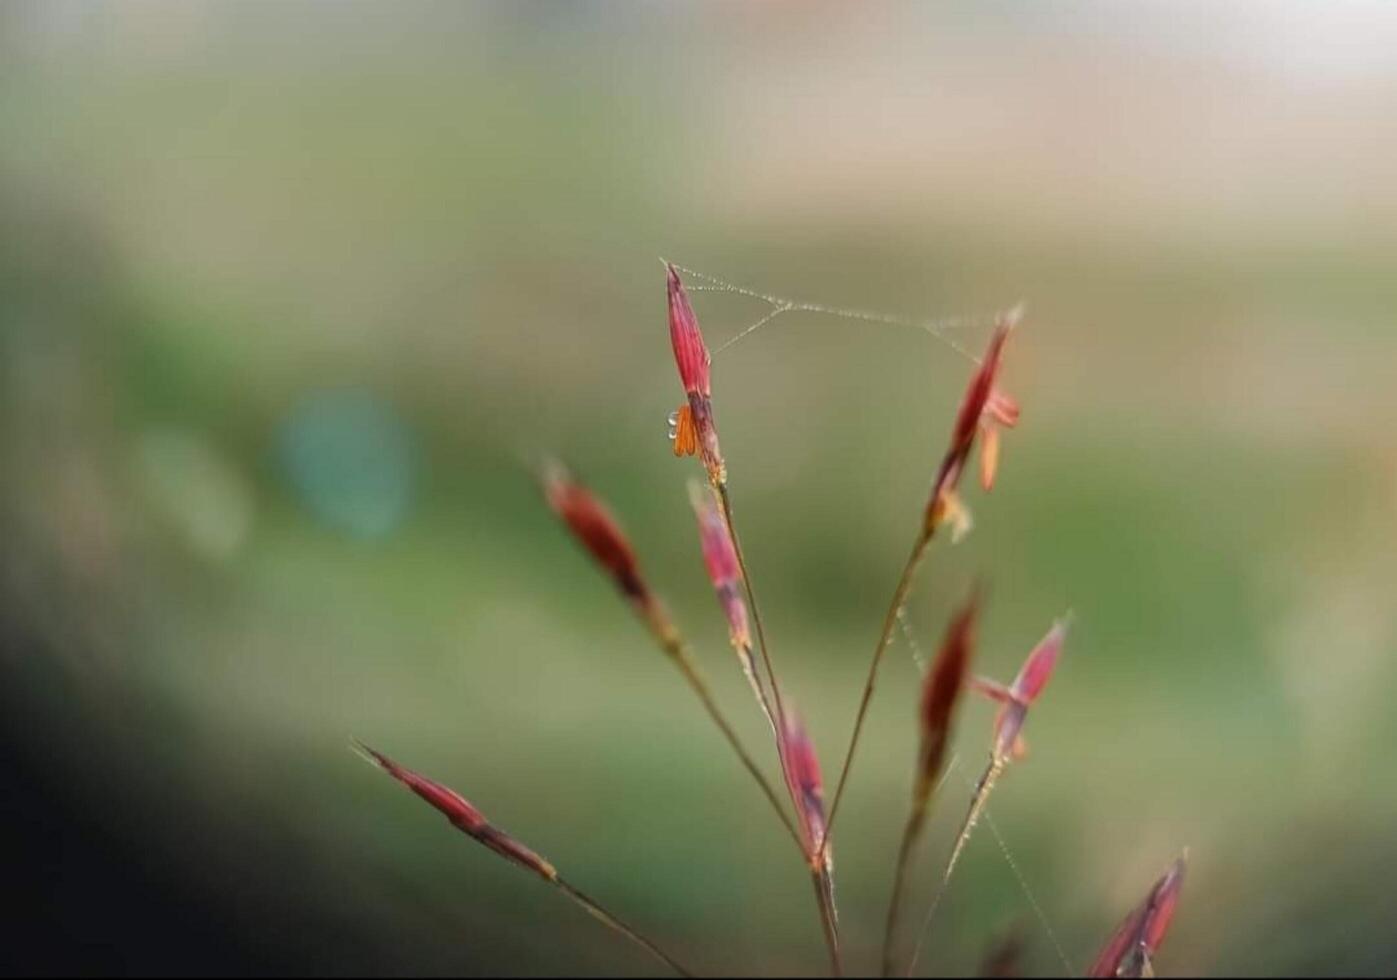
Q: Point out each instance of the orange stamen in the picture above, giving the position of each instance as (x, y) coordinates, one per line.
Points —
(685, 432)
(989, 455)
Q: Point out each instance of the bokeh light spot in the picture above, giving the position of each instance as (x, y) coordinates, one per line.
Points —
(351, 460)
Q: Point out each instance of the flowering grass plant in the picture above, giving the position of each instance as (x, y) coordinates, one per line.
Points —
(985, 411)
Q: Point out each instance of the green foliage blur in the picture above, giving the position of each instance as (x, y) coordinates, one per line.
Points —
(291, 295)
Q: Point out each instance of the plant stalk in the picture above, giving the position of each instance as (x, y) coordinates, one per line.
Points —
(824, 891)
(915, 819)
(593, 908)
(904, 587)
(824, 898)
(674, 647)
(911, 834)
(978, 800)
(725, 499)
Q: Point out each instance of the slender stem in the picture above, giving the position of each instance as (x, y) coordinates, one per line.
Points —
(972, 815)
(725, 498)
(910, 833)
(675, 648)
(824, 898)
(824, 891)
(749, 667)
(978, 800)
(904, 586)
(594, 909)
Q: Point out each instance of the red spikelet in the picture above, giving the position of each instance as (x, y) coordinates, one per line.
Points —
(462, 814)
(690, 352)
(720, 560)
(692, 427)
(1133, 945)
(805, 782)
(594, 527)
(941, 693)
(1016, 699)
(983, 409)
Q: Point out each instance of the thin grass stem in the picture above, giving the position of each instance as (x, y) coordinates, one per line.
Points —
(725, 499)
(759, 688)
(904, 587)
(978, 800)
(824, 898)
(595, 909)
(674, 647)
(916, 820)
(910, 832)
(824, 892)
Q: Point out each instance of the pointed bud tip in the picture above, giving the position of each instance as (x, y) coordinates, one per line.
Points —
(1039, 665)
(1134, 943)
(372, 757)
(552, 474)
(1173, 878)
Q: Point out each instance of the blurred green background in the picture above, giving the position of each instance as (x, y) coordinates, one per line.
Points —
(289, 292)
